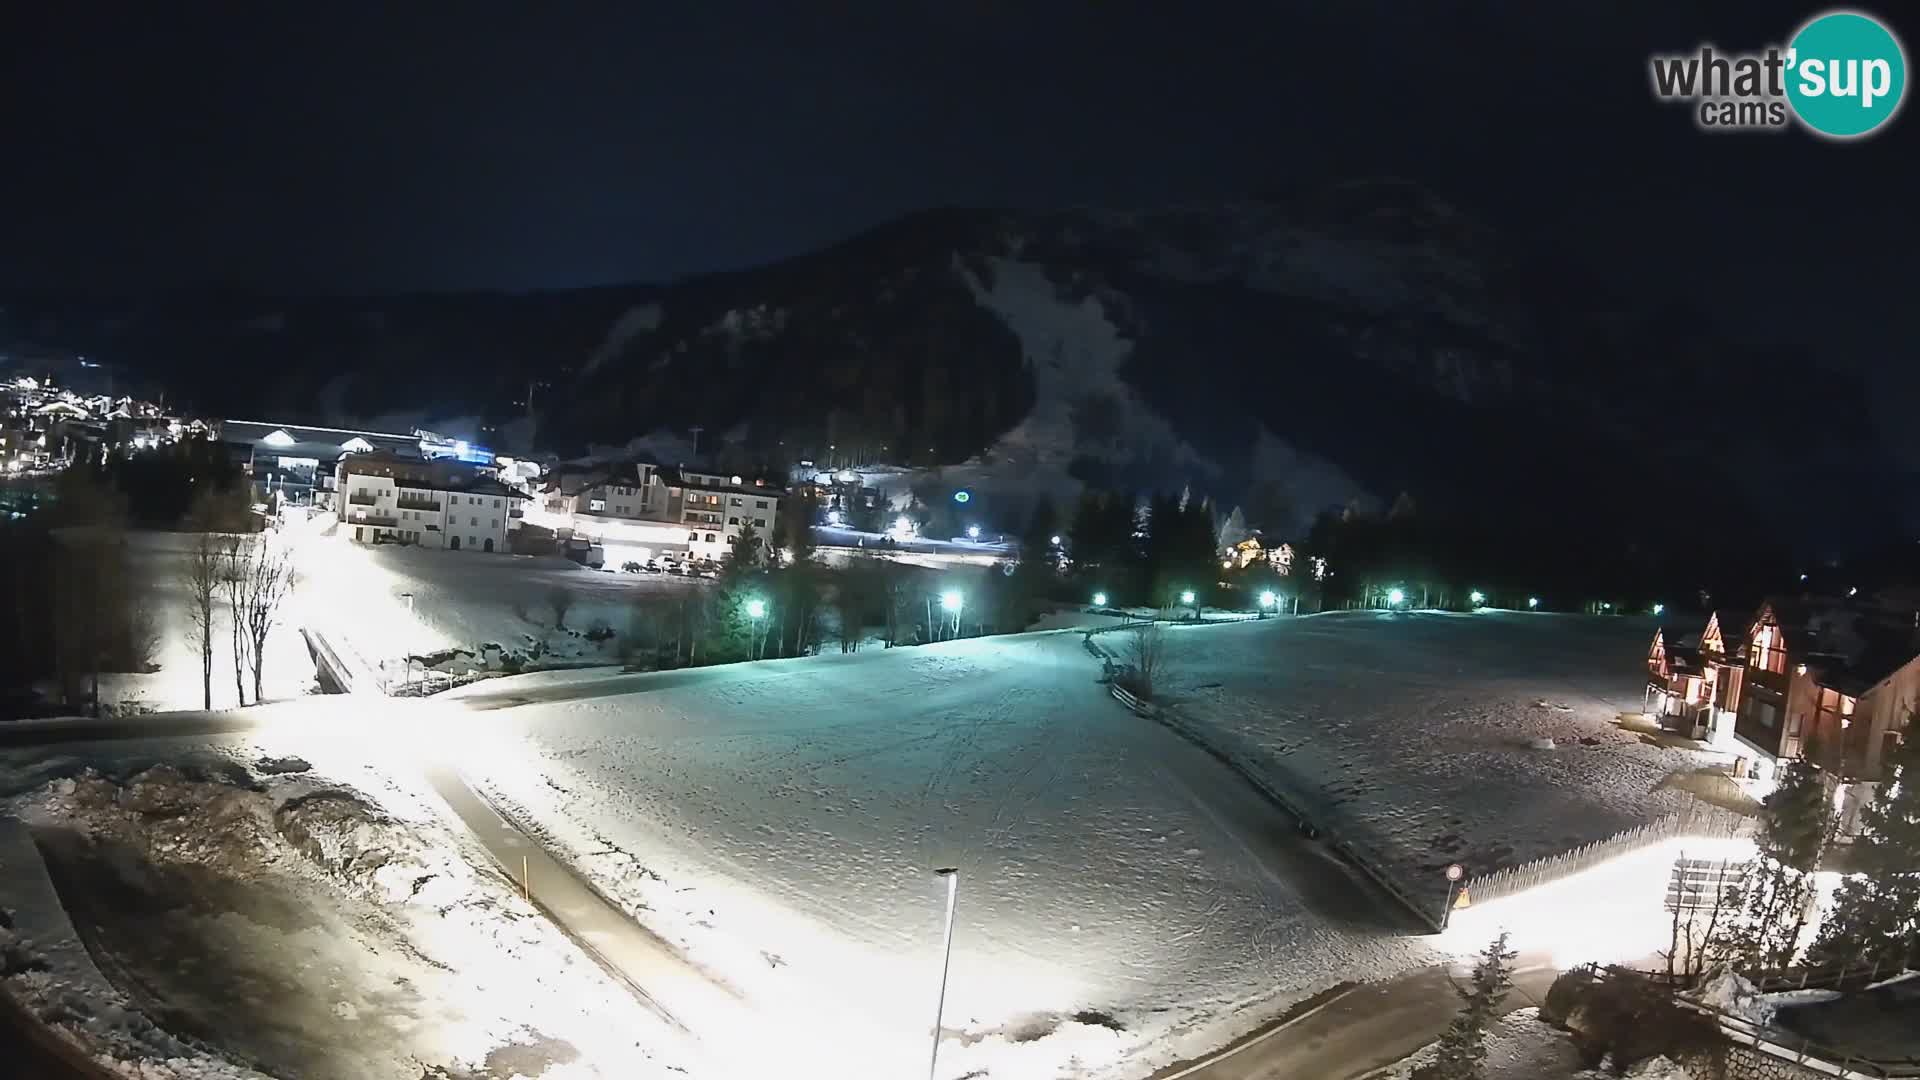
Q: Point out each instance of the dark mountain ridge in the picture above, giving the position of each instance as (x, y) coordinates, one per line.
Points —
(1356, 341)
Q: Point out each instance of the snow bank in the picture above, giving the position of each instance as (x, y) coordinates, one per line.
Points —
(1724, 990)
(312, 913)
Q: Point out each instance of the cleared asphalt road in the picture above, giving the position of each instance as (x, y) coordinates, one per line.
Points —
(654, 971)
(1360, 1031)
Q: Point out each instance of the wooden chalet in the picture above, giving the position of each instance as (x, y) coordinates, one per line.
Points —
(1839, 679)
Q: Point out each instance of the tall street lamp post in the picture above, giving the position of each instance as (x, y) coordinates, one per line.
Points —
(952, 874)
(756, 610)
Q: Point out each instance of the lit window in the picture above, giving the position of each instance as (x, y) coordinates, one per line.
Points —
(596, 504)
(736, 500)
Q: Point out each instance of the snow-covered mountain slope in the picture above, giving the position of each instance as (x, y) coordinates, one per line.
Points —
(1370, 339)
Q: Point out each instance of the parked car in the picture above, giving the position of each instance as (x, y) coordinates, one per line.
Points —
(653, 566)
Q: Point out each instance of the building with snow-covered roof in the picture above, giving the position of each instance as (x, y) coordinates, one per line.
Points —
(383, 497)
(295, 462)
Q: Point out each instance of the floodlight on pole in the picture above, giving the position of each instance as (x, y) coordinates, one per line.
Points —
(1186, 597)
(1055, 541)
(1659, 609)
(1266, 599)
(756, 610)
(1396, 597)
(973, 532)
(1533, 602)
(1099, 599)
(1477, 597)
(952, 874)
(951, 600)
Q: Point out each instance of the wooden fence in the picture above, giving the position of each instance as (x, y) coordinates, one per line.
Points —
(1697, 820)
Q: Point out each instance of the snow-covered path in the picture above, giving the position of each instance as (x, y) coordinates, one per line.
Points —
(780, 822)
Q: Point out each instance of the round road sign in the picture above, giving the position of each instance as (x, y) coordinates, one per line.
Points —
(1455, 872)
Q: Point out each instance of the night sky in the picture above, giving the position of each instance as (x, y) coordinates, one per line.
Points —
(451, 146)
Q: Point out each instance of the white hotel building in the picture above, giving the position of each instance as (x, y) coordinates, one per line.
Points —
(386, 498)
(638, 511)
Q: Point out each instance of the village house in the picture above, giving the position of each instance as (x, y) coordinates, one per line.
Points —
(1836, 679)
(636, 510)
(385, 497)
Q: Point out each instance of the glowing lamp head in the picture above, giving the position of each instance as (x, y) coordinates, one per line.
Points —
(1099, 599)
(1186, 596)
(1477, 597)
(1659, 609)
(1396, 596)
(951, 600)
(1266, 599)
(1055, 541)
(1533, 601)
(756, 609)
(973, 532)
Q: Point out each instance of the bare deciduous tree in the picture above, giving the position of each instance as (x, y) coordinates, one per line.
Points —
(1146, 654)
(1697, 935)
(258, 579)
(202, 574)
(560, 599)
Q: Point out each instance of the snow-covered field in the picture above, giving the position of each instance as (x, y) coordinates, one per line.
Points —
(159, 559)
(1124, 900)
(1415, 734)
(464, 600)
(201, 908)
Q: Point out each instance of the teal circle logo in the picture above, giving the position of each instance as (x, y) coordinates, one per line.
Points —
(1846, 74)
